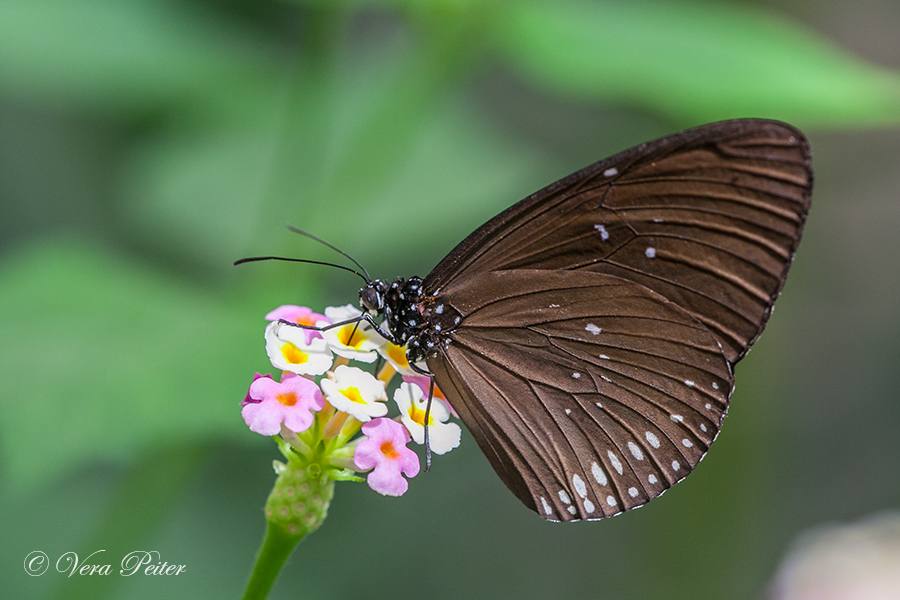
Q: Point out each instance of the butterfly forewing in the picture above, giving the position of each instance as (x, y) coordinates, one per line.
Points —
(594, 325)
(590, 394)
(709, 218)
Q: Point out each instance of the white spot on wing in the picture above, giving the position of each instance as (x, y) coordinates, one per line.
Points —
(715, 385)
(588, 506)
(568, 411)
(554, 306)
(688, 383)
(708, 406)
(632, 491)
(611, 172)
(702, 426)
(635, 451)
(611, 500)
(675, 465)
(687, 443)
(616, 463)
(572, 510)
(598, 474)
(677, 418)
(592, 328)
(599, 405)
(604, 234)
(564, 497)
(650, 252)
(654, 441)
(547, 509)
(576, 375)
(603, 356)
(651, 478)
(580, 487)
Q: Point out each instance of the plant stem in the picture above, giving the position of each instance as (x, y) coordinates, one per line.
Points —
(275, 550)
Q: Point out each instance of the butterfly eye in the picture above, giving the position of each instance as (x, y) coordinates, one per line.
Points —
(370, 298)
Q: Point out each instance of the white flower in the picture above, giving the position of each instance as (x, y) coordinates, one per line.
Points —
(396, 357)
(442, 437)
(288, 350)
(357, 340)
(353, 391)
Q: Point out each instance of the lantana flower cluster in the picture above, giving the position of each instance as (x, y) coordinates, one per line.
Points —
(334, 415)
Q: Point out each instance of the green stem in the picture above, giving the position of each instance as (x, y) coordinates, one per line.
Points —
(275, 550)
(296, 507)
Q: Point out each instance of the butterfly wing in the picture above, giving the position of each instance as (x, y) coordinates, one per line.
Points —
(709, 218)
(588, 393)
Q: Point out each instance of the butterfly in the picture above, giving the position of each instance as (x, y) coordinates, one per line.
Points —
(587, 335)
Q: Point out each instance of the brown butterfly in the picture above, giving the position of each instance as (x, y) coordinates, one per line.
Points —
(587, 335)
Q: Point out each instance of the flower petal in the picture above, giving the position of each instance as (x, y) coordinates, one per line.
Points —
(247, 399)
(355, 392)
(300, 315)
(442, 436)
(424, 382)
(288, 402)
(385, 449)
(387, 482)
(357, 340)
(289, 350)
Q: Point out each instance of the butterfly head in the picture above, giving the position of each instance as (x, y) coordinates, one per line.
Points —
(371, 297)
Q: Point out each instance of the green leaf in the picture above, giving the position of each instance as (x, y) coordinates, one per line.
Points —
(695, 61)
(103, 357)
(127, 55)
(202, 193)
(217, 195)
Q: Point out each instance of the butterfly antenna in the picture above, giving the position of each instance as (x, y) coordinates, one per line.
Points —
(303, 260)
(324, 243)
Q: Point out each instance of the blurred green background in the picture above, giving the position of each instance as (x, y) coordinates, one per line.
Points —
(145, 145)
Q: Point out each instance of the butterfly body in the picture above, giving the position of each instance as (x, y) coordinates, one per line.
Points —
(413, 320)
(587, 335)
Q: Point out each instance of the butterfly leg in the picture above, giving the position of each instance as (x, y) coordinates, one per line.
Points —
(430, 377)
(363, 317)
(427, 414)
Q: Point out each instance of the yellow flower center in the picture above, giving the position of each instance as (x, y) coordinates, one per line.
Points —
(418, 415)
(287, 398)
(350, 331)
(305, 320)
(387, 448)
(398, 355)
(293, 354)
(353, 395)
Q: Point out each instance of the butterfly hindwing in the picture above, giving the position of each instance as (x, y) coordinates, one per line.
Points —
(588, 393)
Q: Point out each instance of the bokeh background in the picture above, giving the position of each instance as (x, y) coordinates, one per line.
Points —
(146, 144)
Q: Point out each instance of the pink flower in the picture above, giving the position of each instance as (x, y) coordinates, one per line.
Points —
(288, 402)
(385, 449)
(300, 315)
(424, 382)
(247, 399)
